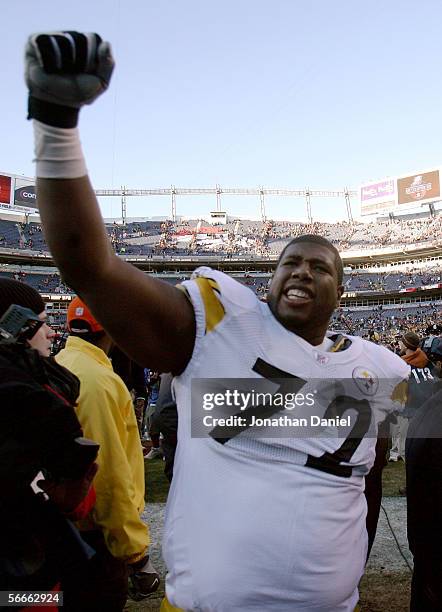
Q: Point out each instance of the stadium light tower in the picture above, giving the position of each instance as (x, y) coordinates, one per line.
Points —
(123, 205)
(309, 205)
(432, 209)
(173, 196)
(348, 204)
(263, 204)
(218, 198)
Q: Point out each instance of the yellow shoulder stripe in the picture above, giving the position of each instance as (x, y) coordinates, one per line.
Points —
(339, 344)
(213, 308)
(213, 284)
(400, 392)
(183, 289)
(167, 607)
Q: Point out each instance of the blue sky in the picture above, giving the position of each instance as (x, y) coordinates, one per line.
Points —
(242, 93)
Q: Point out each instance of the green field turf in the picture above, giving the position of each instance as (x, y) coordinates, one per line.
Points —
(379, 592)
(393, 479)
(157, 485)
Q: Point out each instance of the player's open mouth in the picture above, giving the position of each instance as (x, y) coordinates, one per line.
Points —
(297, 296)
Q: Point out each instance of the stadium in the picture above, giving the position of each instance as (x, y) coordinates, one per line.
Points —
(392, 257)
(235, 227)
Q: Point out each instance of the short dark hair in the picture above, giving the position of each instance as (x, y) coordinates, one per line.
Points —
(315, 239)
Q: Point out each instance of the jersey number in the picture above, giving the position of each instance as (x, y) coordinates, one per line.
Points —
(328, 462)
(425, 373)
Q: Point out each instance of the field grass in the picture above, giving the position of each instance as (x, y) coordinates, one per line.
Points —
(378, 592)
(384, 592)
(148, 605)
(393, 479)
(157, 485)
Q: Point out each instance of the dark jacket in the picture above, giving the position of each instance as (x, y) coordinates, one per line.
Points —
(38, 427)
(423, 452)
(421, 383)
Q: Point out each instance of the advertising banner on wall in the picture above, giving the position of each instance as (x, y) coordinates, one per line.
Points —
(5, 189)
(400, 192)
(378, 197)
(24, 193)
(419, 188)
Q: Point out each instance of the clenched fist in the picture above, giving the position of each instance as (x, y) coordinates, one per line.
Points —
(64, 71)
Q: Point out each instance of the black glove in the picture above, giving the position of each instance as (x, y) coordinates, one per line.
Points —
(64, 71)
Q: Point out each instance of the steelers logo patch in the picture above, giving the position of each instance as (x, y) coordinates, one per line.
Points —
(366, 381)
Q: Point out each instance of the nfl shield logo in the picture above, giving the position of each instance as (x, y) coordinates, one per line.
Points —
(321, 359)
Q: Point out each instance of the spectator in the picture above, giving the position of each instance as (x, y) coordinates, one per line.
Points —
(424, 373)
(164, 421)
(39, 432)
(420, 387)
(114, 529)
(424, 504)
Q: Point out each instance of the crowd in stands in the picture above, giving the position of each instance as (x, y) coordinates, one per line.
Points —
(392, 281)
(355, 281)
(9, 234)
(251, 238)
(386, 326)
(43, 283)
(354, 236)
(360, 281)
(238, 237)
(31, 237)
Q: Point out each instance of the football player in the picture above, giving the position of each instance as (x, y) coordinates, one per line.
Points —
(253, 522)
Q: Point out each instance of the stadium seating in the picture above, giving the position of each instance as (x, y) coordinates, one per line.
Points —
(238, 237)
(248, 239)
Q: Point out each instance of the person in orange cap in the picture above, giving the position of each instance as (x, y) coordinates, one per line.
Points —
(114, 528)
(420, 388)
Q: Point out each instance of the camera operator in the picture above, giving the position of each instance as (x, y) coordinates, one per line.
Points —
(424, 373)
(46, 466)
(432, 347)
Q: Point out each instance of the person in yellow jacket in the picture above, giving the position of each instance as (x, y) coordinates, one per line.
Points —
(114, 528)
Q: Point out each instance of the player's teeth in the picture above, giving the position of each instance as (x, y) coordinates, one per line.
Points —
(292, 294)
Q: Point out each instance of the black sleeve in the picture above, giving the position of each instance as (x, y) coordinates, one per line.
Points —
(373, 485)
(37, 429)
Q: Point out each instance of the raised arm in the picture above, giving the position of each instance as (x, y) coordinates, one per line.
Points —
(151, 320)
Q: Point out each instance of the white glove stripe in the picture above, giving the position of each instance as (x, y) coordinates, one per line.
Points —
(56, 52)
(33, 41)
(91, 51)
(74, 49)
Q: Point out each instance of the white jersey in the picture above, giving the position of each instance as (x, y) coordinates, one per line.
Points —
(269, 523)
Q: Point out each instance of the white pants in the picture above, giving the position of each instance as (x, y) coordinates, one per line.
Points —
(398, 433)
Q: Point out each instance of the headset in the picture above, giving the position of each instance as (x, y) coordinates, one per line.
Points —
(18, 324)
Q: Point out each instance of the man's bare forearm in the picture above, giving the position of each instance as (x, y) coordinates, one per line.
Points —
(74, 230)
(148, 318)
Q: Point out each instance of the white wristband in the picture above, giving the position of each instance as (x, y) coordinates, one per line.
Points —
(58, 153)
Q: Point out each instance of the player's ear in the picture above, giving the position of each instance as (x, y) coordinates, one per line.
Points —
(339, 292)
